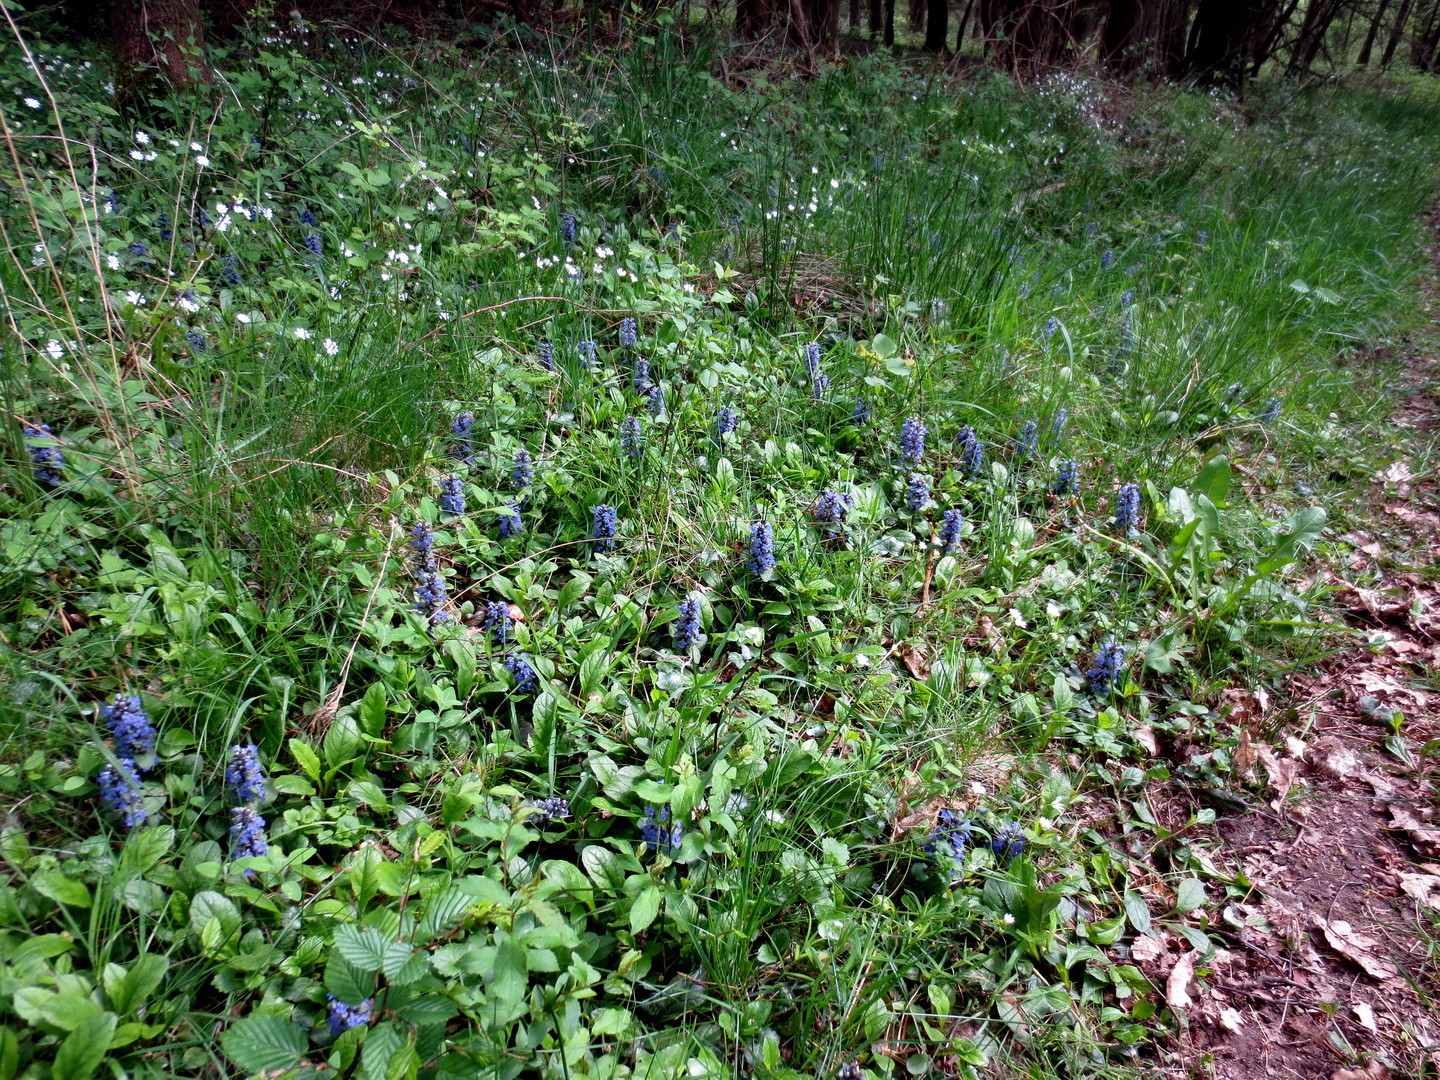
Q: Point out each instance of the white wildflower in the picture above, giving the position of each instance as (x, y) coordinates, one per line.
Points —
(55, 349)
(330, 347)
(33, 103)
(302, 333)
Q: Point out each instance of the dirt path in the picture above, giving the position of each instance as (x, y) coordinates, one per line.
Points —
(1328, 969)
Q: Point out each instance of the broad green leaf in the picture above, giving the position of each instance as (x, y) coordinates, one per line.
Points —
(511, 975)
(9, 1054)
(213, 905)
(1138, 912)
(265, 1044)
(305, 756)
(370, 950)
(137, 984)
(84, 1048)
(342, 741)
(1189, 895)
(349, 983)
(62, 889)
(645, 908)
(1213, 480)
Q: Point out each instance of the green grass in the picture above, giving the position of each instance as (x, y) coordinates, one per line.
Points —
(230, 541)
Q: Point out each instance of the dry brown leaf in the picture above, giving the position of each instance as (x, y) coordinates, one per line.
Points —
(1244, 754)
(1282, 773)
(1359, 949)
(1373, 1071)
(1422, 834)
(1397, 472)
(1424, 889)
(1337, 759)
(1145, 736)
(915, 662)
(1182, 976)
(1366, 1016)
(1146, 949)
(1231, 1020)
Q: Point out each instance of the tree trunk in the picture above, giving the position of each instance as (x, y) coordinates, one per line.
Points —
(916, 15)
(1120, 36)
(157, 35)
(937, 25)
(854, 15)
(877, 18)
(1364, 58)
(1222, 40)
(964, 21)
(889, 39)
(752, 18)
(1396, 34)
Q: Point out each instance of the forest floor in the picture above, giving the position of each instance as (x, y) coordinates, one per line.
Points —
(1333, 967)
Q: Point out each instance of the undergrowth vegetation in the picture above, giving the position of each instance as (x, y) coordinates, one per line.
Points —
(585, 567)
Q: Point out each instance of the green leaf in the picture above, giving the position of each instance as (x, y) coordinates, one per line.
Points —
(84, 1048)
(1138, 912)
(372, 710)
(645, 908)
(1189, 895)
(1106, 931)
(209, 904)
(883, 346)
(305, 756)
(9, 1054)
(342, 741)
(370, 950)
(134, 989)
(62, 889)
(349, 983)
(1214, 480)
(511, 975)
(265, 1044)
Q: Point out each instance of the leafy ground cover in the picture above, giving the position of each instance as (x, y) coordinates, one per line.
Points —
(585, 567)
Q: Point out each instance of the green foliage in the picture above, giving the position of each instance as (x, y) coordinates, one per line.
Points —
(751, 878)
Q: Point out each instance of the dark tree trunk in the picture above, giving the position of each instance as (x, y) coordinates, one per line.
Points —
(937, 26)
(889, 38)
(1222, 40)
(752, 18)
(1427, 43)
(964, 21)
(1121, 35)
(1396, 33)
(1318, 17)
(916, 15)
(854, 15)
(877, 18)
(1364, 58)
(157, 36)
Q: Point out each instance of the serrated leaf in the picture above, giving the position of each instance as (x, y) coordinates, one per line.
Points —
(346, 981)
(370, 950)
(305, 756)
(265, 1044)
